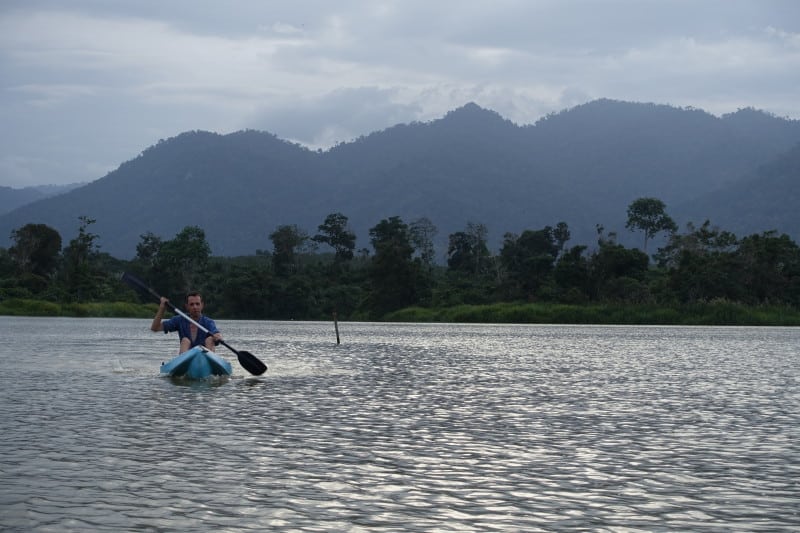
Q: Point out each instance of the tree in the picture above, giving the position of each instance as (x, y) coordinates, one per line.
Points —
(529, 259)
(286, 240)
(184, 260)
(7, 268)
(467, 250)
(768, 265)
(36, 249)
(618, 273)
(703, 241)
(80, 275)
(561, 235)
(572, 274)
(148, 249)
(649, 215)
(393, 274)
(247, 289)
(422, 234)
(335, 233)
(460, 253)
(700, 264)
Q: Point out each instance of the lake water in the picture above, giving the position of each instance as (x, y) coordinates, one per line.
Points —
(401, 427)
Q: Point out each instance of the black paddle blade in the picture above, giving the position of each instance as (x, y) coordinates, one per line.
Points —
(251, 363)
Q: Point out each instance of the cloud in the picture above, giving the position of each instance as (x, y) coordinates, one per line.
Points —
(110, 78)
(48, 95)
(340, 115)
(790, 40)
(19, 170)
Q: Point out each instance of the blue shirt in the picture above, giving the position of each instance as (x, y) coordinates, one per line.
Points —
(181, 325)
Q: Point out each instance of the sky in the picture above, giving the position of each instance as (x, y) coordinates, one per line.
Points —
(86, 85)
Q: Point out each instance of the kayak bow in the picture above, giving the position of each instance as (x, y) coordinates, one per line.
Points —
(197, 363)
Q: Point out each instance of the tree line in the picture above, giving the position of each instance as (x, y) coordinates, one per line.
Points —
(312, 276)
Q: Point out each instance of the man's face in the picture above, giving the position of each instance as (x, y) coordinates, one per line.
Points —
(194, 304)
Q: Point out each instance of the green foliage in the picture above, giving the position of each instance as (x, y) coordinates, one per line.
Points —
(184, 259)
(468, 250)
(30, 307)
(422, 233)
(286, 241)
(456, 287)
(395, 278)
(769, 266)
(78, 274)
(572, 275)
(712, 313)
(649, 215)
(529, 260)
(609, 264)
(247, 291)
(173, 267)
(148, 250)
(335, 233)
(702, 276)
(36, 250)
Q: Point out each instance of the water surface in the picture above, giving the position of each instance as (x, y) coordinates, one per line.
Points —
(402, 427)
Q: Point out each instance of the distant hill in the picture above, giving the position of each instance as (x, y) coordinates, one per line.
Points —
(766, 198)
(12, 198)
(583, 166)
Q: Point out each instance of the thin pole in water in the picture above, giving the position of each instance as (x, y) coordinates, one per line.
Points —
(336, 326)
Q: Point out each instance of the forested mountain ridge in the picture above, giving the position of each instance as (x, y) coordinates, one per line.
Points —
(766, 198)
(582, 166)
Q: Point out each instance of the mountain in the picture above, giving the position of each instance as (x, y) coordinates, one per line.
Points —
(766, 198)
(11, 198)
(221, 183)
(584, 166)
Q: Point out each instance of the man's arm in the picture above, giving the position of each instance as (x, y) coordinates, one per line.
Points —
(156, 325)
(213, 330)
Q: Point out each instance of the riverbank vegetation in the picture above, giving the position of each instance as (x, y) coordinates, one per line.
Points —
(28, 307)
(702, 275)
(719, 313)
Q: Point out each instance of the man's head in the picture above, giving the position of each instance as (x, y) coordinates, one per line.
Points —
(194, 304)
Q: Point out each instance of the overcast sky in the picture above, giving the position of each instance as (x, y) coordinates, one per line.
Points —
(89, 84)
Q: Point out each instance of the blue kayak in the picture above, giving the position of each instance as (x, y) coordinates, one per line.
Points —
(197, 363)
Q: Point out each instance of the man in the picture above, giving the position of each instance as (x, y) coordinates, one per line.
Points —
(190, 335)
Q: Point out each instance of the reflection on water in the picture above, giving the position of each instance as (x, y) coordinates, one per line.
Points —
(402, 428)
(211, 381)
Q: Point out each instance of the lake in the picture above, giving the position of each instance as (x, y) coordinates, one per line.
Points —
(401, 427)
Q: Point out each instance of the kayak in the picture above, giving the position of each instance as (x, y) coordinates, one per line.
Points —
(197, 363)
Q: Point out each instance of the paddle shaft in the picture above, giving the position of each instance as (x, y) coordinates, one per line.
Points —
(190, 319)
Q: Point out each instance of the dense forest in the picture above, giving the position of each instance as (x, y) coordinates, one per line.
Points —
(312, 276)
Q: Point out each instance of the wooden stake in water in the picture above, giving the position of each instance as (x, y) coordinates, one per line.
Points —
(336, 326)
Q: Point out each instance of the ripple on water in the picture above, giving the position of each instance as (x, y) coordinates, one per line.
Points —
(405, 428)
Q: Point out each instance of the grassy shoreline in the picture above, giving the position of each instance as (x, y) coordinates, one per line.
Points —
(699, 314)
(40, 308)
(718, 313)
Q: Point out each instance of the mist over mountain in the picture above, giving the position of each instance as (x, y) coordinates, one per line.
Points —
(12, 198)
(583, 166)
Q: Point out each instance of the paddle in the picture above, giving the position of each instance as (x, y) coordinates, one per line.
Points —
(249, 362)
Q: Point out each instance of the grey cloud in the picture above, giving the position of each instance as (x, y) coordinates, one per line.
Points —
(320, 72)
(338, 116)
